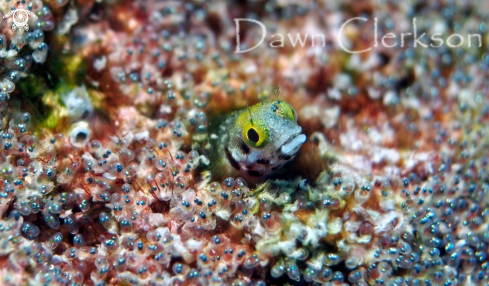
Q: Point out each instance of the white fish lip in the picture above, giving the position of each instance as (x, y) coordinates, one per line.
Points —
(291, 147)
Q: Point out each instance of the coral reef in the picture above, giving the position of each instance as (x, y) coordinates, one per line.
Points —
(110, 110)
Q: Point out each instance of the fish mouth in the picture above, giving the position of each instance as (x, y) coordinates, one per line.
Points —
(291, 147)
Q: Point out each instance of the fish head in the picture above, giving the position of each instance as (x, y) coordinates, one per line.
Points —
(264, 137)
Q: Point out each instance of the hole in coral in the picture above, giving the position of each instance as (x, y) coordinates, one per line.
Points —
(160, 206)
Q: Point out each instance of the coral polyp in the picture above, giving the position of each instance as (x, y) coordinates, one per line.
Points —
(139, 145)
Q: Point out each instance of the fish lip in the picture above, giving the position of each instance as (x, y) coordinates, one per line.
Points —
(294, 135)
(291, 146)
(297, 133)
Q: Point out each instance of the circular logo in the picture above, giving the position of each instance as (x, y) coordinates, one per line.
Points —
(20, 18)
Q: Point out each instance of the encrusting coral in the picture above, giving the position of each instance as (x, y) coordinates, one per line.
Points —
(105, 159)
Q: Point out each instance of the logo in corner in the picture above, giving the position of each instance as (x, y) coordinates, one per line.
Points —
(20, 18)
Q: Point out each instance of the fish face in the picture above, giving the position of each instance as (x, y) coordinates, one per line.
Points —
(262, 138)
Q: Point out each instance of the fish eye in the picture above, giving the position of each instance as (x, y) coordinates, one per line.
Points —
(253, 135)
(288, 111)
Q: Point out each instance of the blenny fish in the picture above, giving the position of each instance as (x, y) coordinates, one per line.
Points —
(255, 142)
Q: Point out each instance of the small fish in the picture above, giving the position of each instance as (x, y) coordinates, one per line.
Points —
(256, 141)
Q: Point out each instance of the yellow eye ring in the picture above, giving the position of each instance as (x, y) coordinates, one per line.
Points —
(255, 135)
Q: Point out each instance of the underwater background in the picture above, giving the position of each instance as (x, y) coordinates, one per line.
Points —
(358, 156)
